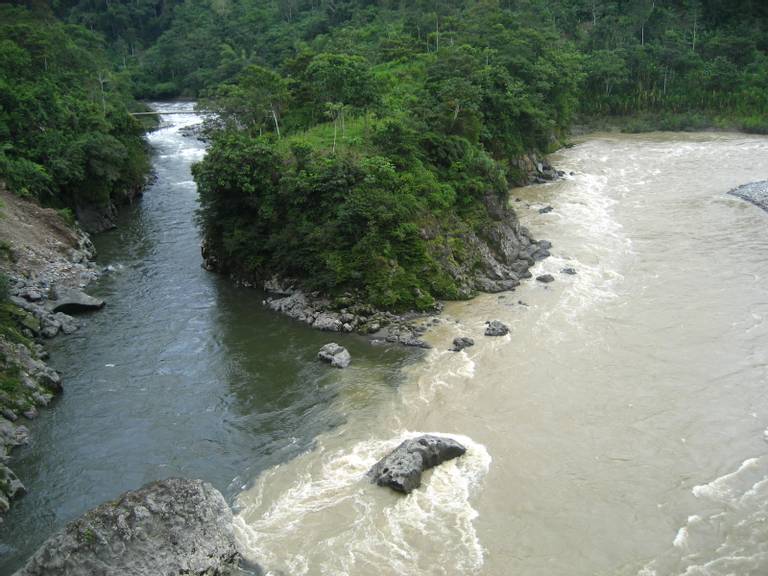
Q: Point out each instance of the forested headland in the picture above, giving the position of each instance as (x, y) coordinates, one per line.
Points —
(359, 143)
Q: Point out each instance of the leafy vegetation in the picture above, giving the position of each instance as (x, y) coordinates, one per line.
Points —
(359, 150)
(656, 57)
(378, 166)
(360, 140)
(66, 138)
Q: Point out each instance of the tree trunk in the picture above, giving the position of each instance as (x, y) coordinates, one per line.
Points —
(277, 124)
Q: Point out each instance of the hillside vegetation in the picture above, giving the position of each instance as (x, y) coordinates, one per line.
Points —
(363, 145)
(66, 138)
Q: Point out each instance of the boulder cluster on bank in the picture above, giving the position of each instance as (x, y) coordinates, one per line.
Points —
(286, 297)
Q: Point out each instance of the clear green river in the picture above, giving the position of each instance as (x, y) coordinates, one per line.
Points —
(618, 430)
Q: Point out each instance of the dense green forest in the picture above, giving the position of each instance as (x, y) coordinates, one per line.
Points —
(705, 57)
(66, 138)
(70, 67)
(359, 141)
(363, 143)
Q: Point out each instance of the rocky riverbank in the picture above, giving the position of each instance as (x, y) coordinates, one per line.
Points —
(44, 264)
(494, 259)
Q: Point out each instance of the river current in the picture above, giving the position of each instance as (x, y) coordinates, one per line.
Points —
(619, 429)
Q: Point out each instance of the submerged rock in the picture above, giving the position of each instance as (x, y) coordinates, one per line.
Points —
(545, 278)
(170, 527)
(401, 469)
(569, 271)
(73, 301)
(496, 328)
(336, 355)
(545, 210)
(462, 342)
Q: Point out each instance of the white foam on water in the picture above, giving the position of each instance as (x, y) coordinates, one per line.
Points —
(444, 368)
(602, 247)
(722, 488)
(729, 534)
(324, 517)
(681, 539)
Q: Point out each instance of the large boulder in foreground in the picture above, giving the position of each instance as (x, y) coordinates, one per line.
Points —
(401, 469)
(170, 527)
(73, 301)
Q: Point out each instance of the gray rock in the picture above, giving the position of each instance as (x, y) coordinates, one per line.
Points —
(170, 527)
(496, 328)
(401, 469)
(462, 342)
(31, 295)
(9, 414)
(12, 435)
(545, 278)
(756, 193)
(49, 378)
(10, 485)
(569, 271)
(328, 322)
(67, 323)
(336, 355)
(50, 331)
(73, 301)
(279, 286)
(545, 210)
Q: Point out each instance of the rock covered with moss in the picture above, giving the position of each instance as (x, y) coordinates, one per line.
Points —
(169, 527)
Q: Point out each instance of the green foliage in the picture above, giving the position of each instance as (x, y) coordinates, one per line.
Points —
(381, 160)
(67, 215)
(255, 102)
(340, 221)
(67, 138)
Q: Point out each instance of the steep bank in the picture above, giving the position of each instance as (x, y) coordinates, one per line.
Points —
(44, 262)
